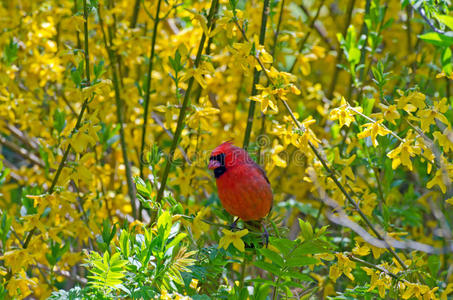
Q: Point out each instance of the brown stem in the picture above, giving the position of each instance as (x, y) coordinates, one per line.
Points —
(321, 32)
(182, 113)
(307, 35)
(277, 31)
(135, 13)
(148, 86)
(22, 152)
(119, 111)
(340, 51)
(256, 76)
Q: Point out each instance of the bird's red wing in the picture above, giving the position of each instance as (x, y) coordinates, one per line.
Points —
(261, 171)
(245, 192)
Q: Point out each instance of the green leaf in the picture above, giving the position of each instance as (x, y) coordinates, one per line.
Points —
(306, 230)
(434, 264)
(298, 275)
(446, 61)
(446, 20)
(98, 69)
(10, 52)
(283, 245)
(437, 39)
(107, 271)
(272, 256)
(164, 224)
(176, 240)
(310, 247)
(76, 78)
(141, 187)
(263, 281)
(367, 105)
(125, 243)
(267, 267)
(300, 261)
(59, 121)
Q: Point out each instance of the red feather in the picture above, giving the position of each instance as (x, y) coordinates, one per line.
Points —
(243, 187)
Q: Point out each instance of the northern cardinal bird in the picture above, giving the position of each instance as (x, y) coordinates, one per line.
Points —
(243, 187)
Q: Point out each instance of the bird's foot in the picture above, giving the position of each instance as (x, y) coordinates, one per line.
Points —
(234, 225)
(265, 235)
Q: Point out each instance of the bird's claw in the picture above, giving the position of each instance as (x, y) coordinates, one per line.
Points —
(233, 226)
(265, 235)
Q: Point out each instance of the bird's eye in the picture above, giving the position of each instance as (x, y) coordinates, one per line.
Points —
(219, 157)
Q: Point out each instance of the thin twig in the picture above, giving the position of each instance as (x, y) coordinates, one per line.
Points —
(422, 13)
(328, 169)
(337, 215)
(321, 32)
(182, 113)
(22, 152)
(159, 122)
(307, 35)
(370, 265)
(64, 273)
(364, 31)
(277, 31)
(77, 126)
(87, 53)
(23, 137)
(256, 75)
(148, 85)
(119, 112)
(13, 168)
(135, 13)
(340, 51)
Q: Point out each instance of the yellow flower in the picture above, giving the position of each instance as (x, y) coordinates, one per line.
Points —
(441, 106)
(445, 139)
(80, 141)
(373, 130)
(279, 162)
(233, 237)
(301, 139)
(361, 250)
(427, 117)
(17, 259)
(242, 52)
(21, 283)
(448, 290)
(304, 62)
(411, 102)
(439, 180)
(379, 280)
(344, 266)
(368, 203)
(418, 290)
(402, 155)
(227, 24)
(389, 113)
(197, 73)
(265, 99)
(334, 273)
(318, 51)
(344, 114)
(198, 226)
(202, 116)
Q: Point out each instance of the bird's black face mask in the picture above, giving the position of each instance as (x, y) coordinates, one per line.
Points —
(221, 169)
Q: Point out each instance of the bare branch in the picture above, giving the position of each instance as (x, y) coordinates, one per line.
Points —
(22, 152)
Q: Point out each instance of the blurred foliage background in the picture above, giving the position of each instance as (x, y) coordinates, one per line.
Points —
(109, 110)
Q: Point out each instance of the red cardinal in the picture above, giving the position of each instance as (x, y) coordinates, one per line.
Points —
(243, 187)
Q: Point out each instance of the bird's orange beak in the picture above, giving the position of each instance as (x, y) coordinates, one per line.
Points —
(214, 164)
